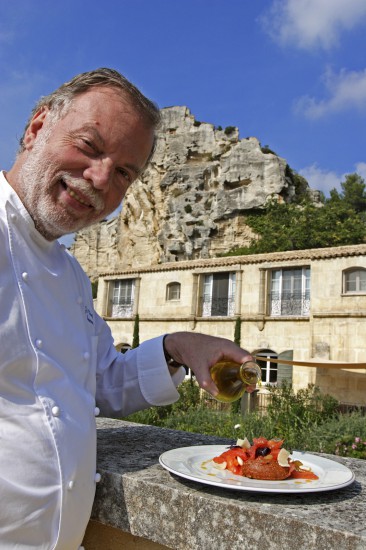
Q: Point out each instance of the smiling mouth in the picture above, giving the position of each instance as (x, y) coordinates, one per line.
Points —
(75, 196)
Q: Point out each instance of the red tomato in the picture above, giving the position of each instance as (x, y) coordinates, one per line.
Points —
(303, 474)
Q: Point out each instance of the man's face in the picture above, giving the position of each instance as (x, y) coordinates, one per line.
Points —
(77, 169)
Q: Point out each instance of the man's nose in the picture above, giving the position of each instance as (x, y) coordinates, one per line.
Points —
(99, 172)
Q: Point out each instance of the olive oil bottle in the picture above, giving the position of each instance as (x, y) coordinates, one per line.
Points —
(232, 379)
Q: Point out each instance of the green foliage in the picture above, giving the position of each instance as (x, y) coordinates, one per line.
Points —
(301, 186)
(188, 208)
(307, 421)
(292, 413)
(354, 447)
(267, 151)
(338, 435)
(235, 406)
(229, 130)
(94, 286)
(189, 392)
(189, 399)
(136, 332)
(353, 193)
(237, 331)
(340, 221)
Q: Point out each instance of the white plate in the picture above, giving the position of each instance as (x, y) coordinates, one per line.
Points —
(194, 463)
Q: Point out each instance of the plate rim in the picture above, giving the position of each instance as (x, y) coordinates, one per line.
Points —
(308, 488)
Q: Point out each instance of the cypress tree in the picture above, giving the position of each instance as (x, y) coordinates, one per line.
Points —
(136, 332)
(237, 331)
(235, 406)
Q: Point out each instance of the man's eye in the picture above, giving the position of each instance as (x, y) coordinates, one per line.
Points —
(88, 146)
(126, 175)
(88, 143)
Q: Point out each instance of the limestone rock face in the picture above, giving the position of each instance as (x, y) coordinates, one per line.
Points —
(190, 202)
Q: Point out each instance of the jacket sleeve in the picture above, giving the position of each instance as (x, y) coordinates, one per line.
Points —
(134, 380)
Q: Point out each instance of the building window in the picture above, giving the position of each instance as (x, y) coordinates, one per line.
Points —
(218, 298)
(289, 292)
(269, 368)
(123, 347)
(173, 291)
(354, 281)
(123, 298)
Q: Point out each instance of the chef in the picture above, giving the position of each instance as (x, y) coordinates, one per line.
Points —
(82, 148)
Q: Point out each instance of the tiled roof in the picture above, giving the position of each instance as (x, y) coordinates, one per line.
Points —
(310, 254)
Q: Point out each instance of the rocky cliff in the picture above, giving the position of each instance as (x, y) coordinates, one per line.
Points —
(191, 201)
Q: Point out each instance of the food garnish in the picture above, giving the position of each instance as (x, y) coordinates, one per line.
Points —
(265, 459)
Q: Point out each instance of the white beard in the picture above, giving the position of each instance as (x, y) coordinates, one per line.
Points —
(38, 178)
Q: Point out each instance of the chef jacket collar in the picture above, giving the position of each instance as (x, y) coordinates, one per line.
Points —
(12, 199)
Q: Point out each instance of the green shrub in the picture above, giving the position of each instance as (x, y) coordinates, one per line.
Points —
(267, 151)
(229, 130)
(189, 392)
(307, 421)
(293, 413)
(354, 447)
(343, 435)
(158, 416)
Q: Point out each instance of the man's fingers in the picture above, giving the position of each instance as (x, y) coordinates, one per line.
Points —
(206, 383)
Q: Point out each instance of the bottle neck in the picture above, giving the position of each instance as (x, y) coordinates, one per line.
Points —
(250, 373)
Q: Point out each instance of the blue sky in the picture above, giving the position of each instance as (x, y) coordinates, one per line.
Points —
(290, 72)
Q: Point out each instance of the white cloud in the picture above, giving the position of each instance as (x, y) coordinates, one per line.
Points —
(320, 179)
(361, 169)
(312, 23)
(346, 90)
(325, 180)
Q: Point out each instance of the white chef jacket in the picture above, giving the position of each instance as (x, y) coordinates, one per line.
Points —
(58, 366)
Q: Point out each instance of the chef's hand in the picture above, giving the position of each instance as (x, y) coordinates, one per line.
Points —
(200, 352)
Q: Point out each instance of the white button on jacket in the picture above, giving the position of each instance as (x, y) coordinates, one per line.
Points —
(58, 366)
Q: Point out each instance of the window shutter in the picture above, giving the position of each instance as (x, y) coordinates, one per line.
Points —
(284, 372)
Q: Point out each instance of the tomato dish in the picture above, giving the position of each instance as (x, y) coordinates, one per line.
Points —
(263, 459)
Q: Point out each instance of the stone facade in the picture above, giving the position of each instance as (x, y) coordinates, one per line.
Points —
(192, 199)
(322, 320)
(158, 258)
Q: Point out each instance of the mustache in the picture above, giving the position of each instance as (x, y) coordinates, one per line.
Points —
(86, 191)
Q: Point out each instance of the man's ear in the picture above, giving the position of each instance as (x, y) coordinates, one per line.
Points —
(35, 125)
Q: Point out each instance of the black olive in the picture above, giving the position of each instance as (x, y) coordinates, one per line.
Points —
(262, 451)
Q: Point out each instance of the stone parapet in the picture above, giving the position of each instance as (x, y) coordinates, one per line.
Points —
(155, 509)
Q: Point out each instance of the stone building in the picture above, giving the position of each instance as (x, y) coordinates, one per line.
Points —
(158, 258)
(307, 305)
(192, 199)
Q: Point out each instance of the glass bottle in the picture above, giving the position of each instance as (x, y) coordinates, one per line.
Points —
(232, 379)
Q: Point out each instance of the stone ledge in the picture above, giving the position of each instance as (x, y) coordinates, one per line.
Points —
(137, 496)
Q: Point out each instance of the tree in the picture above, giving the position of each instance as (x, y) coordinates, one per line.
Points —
(136, 332)
(235, 406)
(353, 193)
(94, 286)
(340, 221)
(237, 331)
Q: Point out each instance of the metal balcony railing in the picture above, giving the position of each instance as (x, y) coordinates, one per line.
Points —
(122, 310)
(290, 303)
(218, 307)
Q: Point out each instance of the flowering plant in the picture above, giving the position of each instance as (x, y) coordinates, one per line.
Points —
(352, 447)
